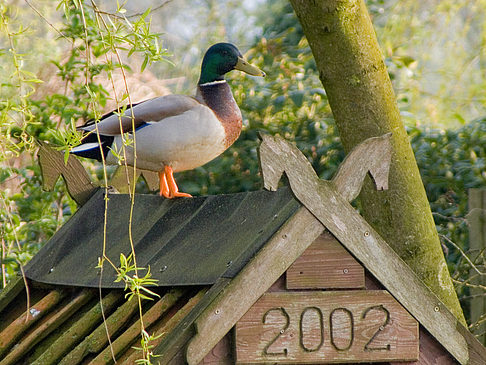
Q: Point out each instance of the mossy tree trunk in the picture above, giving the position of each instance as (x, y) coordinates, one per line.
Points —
(354, 75)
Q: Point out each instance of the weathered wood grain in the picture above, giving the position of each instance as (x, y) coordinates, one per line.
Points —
(164, 329)
(373, 156)
(340, 218)
(128, 337)
(15, 329)
(326, 264)
(98, 339)
(76, 333)
(51, 323)
(175, 342)
(477, 246)
(326, 327)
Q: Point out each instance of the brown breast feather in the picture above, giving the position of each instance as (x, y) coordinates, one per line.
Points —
(219, 98)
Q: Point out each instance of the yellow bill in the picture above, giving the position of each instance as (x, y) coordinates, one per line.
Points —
(244, 66)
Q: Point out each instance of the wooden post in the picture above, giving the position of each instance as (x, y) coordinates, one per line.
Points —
(477, 247)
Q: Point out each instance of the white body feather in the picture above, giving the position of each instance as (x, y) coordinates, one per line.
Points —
(183, 141)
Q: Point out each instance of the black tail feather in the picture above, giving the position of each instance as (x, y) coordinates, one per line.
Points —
(96, 152)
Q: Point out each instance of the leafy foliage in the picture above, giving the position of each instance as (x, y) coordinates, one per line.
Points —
(451, 162)
(97, 41)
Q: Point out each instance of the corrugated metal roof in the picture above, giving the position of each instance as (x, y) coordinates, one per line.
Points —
(184, 241)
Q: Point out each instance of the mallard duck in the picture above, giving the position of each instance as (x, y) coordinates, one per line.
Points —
(174, 132)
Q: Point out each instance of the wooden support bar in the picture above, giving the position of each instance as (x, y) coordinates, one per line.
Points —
(78, 331)
(10, 334)
(126, 338)
(166, 327)
(46, 327)
(477, 251)
(254, 279)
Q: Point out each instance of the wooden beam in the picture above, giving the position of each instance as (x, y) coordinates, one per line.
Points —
(15, 329)
(477, 247)
(77, 332)
(122, 342)
(166, 329)
(293, 238)
(46, 327)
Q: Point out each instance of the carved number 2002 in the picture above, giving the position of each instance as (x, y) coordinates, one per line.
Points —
(367, 347)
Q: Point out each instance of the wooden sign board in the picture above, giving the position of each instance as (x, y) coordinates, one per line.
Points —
(326, 264)
(326, 327)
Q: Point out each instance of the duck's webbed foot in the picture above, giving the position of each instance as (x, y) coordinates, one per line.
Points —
(168, 185)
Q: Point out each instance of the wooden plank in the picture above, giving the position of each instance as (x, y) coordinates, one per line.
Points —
(253, 280)
(175, 341)
(341, 219)
(326, 264)
(431, 352)
(165, 329)
(15, 329)
(477, 247)
(326, 327)
(46, 327)
(123, 341)
(76, 333)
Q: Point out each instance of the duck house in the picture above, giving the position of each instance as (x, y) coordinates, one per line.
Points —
(290, 275)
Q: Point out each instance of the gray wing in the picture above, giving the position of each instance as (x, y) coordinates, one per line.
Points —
(152, 110)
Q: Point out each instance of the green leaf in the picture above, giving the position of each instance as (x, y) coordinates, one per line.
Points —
(66, 156)
(144, 63)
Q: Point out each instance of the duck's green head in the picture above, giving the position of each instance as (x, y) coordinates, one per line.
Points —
(222, 58)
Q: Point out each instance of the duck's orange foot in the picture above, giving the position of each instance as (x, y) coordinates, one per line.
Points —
(168, 186)
(178, 194)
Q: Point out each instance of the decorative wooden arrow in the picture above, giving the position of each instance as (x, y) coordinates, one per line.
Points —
(78, 182)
